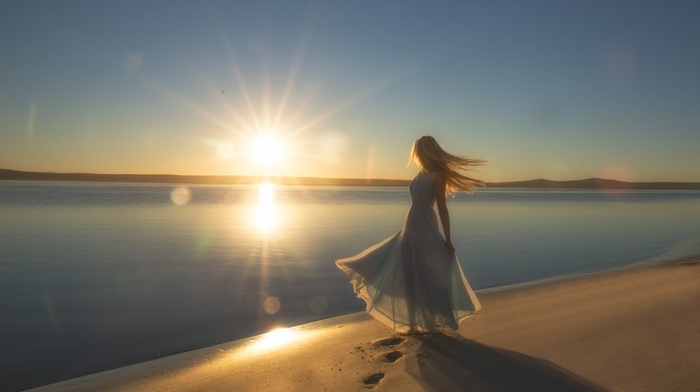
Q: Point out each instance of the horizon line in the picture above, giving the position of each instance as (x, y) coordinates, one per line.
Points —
(587, 183)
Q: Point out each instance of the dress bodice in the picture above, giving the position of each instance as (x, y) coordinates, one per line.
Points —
(421, 190)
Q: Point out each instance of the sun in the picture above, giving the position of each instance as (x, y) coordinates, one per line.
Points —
(267, 149)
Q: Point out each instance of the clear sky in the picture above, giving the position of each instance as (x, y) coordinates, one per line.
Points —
(542, 89)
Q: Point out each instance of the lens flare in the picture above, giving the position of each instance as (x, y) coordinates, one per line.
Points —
(180, 196)
(272, 305)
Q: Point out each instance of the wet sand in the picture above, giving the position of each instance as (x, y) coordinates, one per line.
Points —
(636, 329)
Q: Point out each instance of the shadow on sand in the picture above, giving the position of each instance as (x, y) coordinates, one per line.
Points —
(452, 363)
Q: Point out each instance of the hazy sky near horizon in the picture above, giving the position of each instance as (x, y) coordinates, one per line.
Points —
(542, 89)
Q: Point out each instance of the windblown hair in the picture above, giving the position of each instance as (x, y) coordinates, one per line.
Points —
(430, 156)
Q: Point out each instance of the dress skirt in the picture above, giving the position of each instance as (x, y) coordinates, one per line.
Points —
(409, 281)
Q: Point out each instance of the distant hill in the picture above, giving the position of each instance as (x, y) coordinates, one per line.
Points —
(589, 183)
(6, 174)
(597, 183)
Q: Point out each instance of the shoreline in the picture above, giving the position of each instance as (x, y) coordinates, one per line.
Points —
(652, 262)
(620, 329)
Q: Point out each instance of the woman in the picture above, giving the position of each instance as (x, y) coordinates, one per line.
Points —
(412, 281)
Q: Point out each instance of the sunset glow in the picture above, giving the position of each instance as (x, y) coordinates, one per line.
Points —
(293, 90)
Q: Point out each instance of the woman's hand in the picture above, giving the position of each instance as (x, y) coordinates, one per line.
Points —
(450, 248)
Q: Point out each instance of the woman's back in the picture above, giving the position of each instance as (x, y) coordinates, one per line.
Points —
(421, 189)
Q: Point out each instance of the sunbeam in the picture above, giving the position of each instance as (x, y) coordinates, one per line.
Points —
(265, 128)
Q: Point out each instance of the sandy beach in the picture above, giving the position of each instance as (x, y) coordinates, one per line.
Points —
(636, 329)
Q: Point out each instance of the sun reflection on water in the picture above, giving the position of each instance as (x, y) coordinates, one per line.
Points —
(266, 212)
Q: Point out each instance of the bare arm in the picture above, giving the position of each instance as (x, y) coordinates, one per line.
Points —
(440, 199)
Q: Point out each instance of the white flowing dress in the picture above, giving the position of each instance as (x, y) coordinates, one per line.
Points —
(409, 281)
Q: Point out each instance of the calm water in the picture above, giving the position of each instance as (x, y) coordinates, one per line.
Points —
(95, 276)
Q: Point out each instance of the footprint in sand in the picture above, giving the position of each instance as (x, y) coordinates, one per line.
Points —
(393, 356)
(373, 380)
(390, 341)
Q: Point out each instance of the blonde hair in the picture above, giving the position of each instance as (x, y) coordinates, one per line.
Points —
(430, 156)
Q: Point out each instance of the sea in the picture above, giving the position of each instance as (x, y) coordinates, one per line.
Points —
(95, 276)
